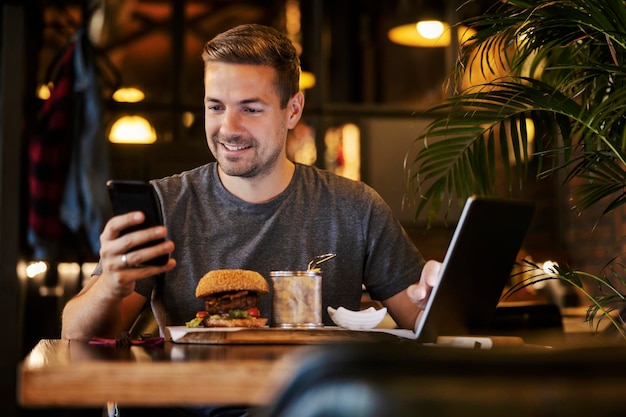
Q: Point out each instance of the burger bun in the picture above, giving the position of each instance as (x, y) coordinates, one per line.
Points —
(247, 322)
(223, 280)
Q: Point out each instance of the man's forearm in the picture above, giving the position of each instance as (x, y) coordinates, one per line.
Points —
(92, 313)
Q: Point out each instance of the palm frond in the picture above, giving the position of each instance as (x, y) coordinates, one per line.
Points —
(604, 176)
(459, 146)
(609, 299)
(564, 63)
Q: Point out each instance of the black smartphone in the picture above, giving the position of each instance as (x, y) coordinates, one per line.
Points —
(127, 196)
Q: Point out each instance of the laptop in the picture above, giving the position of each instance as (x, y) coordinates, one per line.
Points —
(476, 268)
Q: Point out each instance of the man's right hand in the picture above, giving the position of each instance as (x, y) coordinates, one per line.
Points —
(120, 262)
(108, 304)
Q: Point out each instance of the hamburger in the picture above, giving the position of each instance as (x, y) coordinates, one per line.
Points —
(231, 299)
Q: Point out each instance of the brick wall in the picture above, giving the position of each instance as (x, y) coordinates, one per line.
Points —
(590, 237)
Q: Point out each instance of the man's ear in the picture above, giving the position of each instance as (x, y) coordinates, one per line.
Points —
(295, 108)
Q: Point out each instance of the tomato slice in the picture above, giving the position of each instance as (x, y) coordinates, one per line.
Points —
(202, 314)
(254, 312)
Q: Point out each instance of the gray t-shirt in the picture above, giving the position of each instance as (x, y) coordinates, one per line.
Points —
(318, 213)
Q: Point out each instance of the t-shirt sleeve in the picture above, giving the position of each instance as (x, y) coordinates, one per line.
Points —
(145, 286)
(393, 261)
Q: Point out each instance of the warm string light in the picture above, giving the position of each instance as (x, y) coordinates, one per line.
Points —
(307, 80)
(128, 95)
(428, 34)
(430, 29)
(131, 129)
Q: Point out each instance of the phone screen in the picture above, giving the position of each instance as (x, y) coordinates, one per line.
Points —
(127, 196)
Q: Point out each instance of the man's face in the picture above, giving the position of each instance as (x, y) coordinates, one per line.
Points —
(245, 127)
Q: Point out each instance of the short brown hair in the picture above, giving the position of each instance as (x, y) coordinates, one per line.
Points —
(253, 44)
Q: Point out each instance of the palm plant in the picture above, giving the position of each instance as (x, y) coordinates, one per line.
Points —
(565, 72)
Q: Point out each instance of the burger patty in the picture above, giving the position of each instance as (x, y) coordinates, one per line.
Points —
(224, 302)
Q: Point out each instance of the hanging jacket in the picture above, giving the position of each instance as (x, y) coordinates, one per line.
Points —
(49, 151)
(85, 204)
(68, 158)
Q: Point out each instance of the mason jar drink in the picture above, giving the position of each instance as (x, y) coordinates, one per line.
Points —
(297, 299)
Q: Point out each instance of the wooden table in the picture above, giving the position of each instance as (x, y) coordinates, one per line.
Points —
(76, 373)
(73, 373)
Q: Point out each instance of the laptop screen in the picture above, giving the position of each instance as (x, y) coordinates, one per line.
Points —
(476, 267)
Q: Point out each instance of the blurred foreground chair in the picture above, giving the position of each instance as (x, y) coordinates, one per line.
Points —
(406, 379)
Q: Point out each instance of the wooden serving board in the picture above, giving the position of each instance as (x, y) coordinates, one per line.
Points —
(271, 335)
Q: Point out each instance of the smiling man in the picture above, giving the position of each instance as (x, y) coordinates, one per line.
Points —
(246, 124)
(251, 209)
